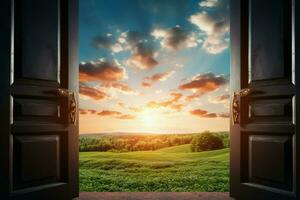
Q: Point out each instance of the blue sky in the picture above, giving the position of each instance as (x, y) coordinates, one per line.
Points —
(168, 59)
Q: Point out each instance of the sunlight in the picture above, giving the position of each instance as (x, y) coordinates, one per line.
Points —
(150, 119)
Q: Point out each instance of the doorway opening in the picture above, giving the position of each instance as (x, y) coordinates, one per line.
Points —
(154, 95)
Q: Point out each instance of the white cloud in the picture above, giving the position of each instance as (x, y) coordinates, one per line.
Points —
(215, 29)
(116, 48)
(175, 38)
(209, 3)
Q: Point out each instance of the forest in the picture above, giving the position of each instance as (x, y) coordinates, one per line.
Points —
(145, 142)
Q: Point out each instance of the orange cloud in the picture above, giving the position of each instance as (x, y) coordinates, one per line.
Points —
(203, 113)
(125, 117)
(101, 70)
(92, 93)
(221, 98)
(202, 84)
(132, 108)
(119, 86)
(92, 111)
(108, 113)
(206, 114)
(172, 103)
(87, 111)
(115, 114)
(205, 82)
(148, 81)
(82, 112)
(198, 112)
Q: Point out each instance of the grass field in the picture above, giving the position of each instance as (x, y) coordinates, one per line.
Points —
(173, 169)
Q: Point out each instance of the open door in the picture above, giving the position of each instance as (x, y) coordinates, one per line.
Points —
(38, 108)
(265, 71)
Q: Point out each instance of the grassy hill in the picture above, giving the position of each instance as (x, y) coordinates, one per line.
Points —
(172, 169)
(186, 148)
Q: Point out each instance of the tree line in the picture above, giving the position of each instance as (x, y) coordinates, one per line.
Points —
(125, 143)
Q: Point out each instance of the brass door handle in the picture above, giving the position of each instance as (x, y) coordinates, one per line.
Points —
(236, 105)
(72, 105)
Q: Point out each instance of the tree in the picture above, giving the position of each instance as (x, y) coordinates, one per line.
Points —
(206, 141)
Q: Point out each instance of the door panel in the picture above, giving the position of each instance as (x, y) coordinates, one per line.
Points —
(268, 160)
(271, 110)
(37, 58)
(40, 146)
(39, 160)
(269, 30)
(264, 138)
(36, 109)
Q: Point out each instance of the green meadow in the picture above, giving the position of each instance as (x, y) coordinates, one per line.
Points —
(170, 169)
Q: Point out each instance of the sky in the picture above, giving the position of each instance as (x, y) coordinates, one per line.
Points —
(155, 66)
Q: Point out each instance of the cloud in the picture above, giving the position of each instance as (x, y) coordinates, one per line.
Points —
(171, 103)
(106, 42)
(135, 109)
(87, 111)
(143, 52)
(109, 113)
(83, 112)
(101, 70)
(126, 117)
(148, 81)
(143, 57)
(102, 42)
(220, 99)
(116, 48)
(131, 108)
(92, 111)
(203, 113)
(203, 83)
(191, 97)
(120, 86)
(122, 105)
(215, 28)
(175, 38)
(209, 3)
(115, 114)
(224, 115)
(92, 93)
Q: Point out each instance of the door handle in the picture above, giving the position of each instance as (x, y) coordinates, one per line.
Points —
(236, 105)
(72, 110)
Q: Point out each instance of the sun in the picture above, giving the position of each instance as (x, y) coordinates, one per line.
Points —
(150, 119)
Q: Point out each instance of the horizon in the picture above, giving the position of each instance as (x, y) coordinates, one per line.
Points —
(150, 133)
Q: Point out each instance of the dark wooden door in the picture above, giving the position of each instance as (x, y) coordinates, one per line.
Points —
(265, 71)
(38, 87)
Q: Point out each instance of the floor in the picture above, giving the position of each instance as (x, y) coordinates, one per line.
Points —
(154, 196)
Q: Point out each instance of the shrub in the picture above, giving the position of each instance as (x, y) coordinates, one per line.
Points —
(206, 141)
